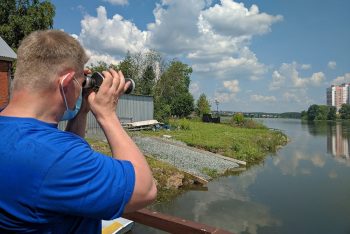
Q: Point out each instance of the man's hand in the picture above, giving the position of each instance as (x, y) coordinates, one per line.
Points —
(85, 106)
(104, 102)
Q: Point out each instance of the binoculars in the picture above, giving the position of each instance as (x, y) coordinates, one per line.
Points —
(94, 81)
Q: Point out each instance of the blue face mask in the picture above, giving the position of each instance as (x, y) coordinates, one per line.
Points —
(68, 113)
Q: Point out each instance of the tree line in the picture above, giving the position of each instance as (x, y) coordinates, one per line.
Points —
(323, 112)
(167, 81)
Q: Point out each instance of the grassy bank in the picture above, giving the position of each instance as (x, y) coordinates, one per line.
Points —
(248, 144)
(170, 181)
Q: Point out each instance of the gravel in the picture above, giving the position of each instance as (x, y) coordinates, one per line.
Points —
(183, 157)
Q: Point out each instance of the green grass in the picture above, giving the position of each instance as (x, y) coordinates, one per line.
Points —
(250, 145)
(213, 173)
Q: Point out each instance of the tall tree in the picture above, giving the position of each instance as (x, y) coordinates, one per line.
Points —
(312, 112)
(344, 111)
(18, 18)
(332, 114)
(147, 81)
(126, 66)
(173, 89)
(322, 113)
(99, 67)
(202, 106)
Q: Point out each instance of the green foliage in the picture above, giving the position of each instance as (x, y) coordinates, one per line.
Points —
(322, 113)
(173, 89)
(213, 173)
(18, 18)
(345, 111)
(183, 124)
(303, 115)
(249, 123)
(246, 144)
(182, 105)
(290, 115)
(319, 112)
(332, 114)
(202, 105)
(147, 81)
(237, 119)
(162, 111)
(312, 112)
(99, 67)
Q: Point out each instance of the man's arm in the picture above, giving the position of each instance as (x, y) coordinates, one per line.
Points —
(103, 105)
(78, 124)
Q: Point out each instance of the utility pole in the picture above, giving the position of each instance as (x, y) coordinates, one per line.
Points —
(217, 106)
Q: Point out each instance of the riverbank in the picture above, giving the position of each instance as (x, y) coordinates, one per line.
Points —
(250, 145)
(246, 144)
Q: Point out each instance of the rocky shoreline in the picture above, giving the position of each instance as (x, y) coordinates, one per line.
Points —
(187, 159)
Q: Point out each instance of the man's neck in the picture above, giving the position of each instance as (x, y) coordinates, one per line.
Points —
(42, 106)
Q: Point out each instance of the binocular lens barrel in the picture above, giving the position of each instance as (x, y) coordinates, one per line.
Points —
(95, 81)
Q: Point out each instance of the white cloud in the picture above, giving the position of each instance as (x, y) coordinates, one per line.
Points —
(198, 35)
(111, 37)
(214, 39)
(228, 67)
(332, 65)
(277, 81)
(228, 92)
(194, 88)
(232, 85)
(317, 78)
(234, 19)
(96, 57)
(261, 98)
(342, 79)
(318, 160)
(175, 30)
(117, 2)
(305, 66)
(288, 96)
(288, 73)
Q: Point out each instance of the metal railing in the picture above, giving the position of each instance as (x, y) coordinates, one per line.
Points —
(171, 224)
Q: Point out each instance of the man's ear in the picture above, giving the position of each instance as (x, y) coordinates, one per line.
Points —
(65, 79)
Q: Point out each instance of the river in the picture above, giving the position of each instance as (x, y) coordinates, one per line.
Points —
(303, 188)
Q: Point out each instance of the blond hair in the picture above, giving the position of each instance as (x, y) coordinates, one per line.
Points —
(44, 55)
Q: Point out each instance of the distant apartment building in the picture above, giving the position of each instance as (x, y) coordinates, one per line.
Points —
(338, 95)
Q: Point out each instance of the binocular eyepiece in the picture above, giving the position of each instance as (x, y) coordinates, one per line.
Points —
(94, 81)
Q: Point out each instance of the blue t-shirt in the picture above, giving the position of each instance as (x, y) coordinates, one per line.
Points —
(51, 181)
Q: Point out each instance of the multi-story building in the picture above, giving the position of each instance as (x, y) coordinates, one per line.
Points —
(338, 95)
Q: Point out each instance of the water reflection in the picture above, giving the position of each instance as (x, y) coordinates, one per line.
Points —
(228, 205)
(338, 141)
(304, 188)
(338, 138)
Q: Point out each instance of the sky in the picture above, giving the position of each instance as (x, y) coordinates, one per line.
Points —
(249, 55)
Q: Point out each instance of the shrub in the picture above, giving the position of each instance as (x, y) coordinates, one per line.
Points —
(183, 124)
(237, 119)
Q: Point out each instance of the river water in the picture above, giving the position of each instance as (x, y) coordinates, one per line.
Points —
(303, 188)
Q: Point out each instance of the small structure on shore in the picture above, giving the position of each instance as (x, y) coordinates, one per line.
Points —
(208, 118)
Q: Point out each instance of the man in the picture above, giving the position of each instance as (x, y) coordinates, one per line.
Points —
(51, 181)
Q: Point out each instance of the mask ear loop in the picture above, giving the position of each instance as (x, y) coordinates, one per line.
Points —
(64, 96)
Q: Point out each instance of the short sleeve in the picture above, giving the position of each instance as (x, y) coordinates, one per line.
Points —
(86, 183)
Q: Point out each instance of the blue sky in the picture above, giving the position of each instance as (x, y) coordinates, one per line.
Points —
(250, 55)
